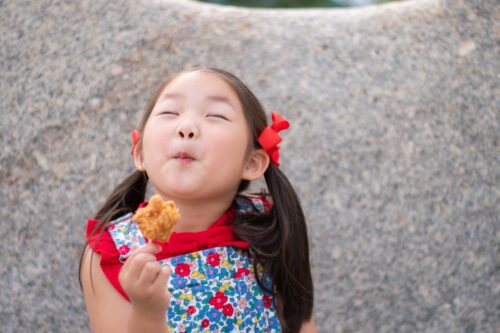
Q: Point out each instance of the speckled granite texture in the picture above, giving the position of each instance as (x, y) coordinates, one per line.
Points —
(394, 145)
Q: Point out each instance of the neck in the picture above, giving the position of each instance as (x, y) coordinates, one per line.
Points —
(198, 215)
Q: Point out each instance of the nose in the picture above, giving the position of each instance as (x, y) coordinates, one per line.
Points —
(187, 131)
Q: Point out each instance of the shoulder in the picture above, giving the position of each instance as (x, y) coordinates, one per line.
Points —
(308, 327)
(105, 306)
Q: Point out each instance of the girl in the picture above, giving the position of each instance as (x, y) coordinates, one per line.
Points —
(234, 262)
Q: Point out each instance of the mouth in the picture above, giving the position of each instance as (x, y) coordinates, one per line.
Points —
(183, 156)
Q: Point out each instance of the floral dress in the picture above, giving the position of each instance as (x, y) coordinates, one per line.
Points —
(214, 289)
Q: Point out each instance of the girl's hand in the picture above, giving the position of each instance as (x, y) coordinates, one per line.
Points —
(145, 282)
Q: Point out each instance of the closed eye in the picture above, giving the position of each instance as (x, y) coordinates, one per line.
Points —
(170, 113)
(217, 116)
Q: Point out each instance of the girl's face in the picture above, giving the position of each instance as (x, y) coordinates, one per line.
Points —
(195, 142)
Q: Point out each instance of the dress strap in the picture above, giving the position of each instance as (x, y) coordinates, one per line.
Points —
(126, 236)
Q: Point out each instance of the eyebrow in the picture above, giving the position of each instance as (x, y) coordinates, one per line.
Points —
(170, 95)
(214, 98)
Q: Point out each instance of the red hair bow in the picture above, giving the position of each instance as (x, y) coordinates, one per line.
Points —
(135, 137)
(269, 139)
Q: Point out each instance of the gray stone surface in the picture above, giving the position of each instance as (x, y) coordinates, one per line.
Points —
(394, 145)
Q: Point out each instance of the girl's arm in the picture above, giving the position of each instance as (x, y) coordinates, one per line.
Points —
(308, 327)
(108, 311)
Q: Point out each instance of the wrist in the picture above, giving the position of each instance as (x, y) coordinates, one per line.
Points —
(146, 314)
(147, 321)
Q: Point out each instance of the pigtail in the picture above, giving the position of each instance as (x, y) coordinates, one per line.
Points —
(291, 269)
(125, 198)
(279, 244)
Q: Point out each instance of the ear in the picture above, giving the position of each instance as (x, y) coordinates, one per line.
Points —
(139, 164)
(256, 165)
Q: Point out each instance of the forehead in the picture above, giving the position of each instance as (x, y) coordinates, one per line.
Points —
(198, 86)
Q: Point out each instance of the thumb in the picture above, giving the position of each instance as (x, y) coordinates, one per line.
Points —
(150, 248)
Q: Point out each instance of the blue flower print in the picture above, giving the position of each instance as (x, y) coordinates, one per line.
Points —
(212, 272)
(241, 287)
(177, 260)
(273, 322)
(230, 325)
(179, 282)
(214, 315)
(259, 306)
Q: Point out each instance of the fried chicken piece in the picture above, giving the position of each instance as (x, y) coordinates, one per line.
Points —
(157, 220)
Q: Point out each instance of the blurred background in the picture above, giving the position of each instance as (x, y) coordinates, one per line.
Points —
(394, 146)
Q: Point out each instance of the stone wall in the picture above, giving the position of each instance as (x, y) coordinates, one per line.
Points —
(394, 145)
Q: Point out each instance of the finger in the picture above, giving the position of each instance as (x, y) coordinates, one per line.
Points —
(163, 276)
(137, 264)
(134, 266)
(149, 272)
(147, 248)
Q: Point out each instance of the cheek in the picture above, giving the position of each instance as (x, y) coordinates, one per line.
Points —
(154, 143)
(156, 131)
(232, 146)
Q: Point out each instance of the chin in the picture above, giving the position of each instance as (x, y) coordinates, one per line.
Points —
(184, 192)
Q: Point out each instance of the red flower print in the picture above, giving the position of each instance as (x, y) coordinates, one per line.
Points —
(111, 227)
(218, 300)
(182, 269)
(123, 250)
(205, 322)
(191, 309)
(267, 301)
(213, 259)
(241, 272)
(228, 310)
